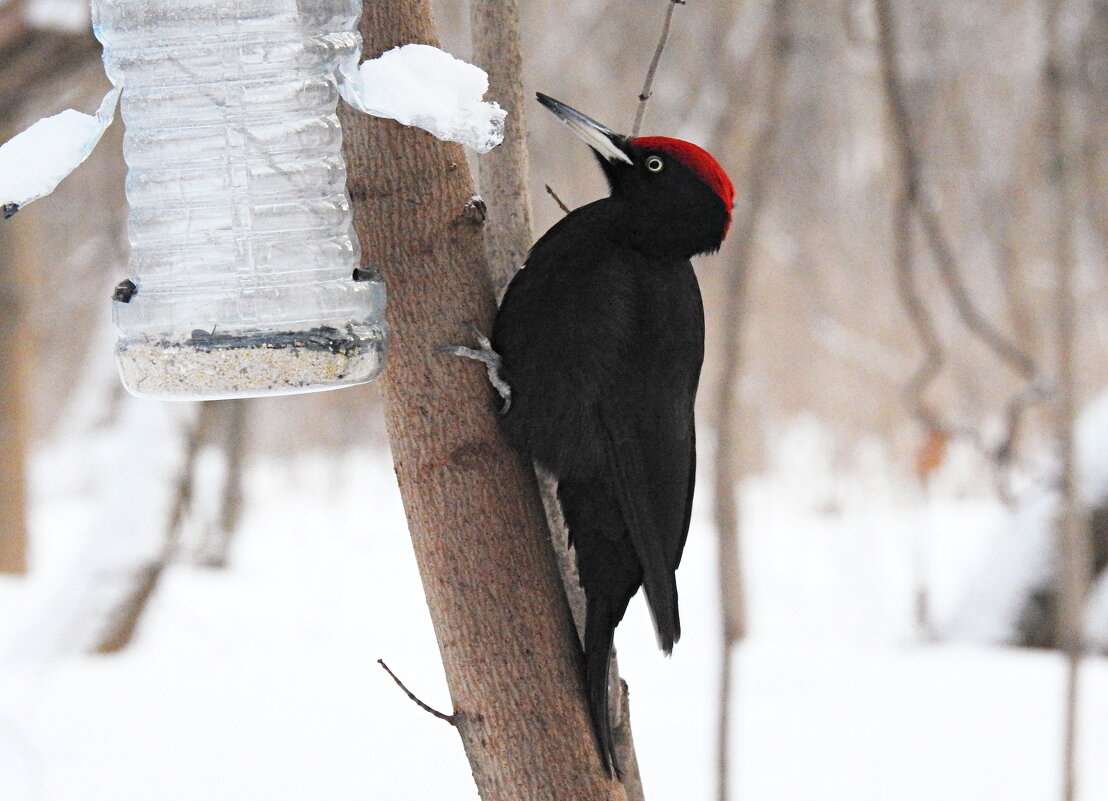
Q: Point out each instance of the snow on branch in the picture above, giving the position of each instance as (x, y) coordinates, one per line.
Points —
(425, 87)
(34, 162)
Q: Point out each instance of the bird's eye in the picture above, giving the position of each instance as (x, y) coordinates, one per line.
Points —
(655, 164)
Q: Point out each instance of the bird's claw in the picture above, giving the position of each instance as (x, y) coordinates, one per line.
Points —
(490, 358)
(483, 341)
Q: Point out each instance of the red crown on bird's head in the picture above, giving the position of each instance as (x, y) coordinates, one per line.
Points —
(697, 159)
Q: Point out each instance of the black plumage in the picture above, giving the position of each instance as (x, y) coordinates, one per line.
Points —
(601, 339)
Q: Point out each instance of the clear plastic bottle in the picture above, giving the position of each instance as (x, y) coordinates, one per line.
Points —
(243, 259)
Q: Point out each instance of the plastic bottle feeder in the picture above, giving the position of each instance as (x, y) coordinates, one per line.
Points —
(244, 266)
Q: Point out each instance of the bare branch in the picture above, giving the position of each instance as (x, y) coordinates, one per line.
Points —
(415, 700)
(503, 172)
(919, 203)
(228, 433)
(1006, 350)
(934, 356)
(726, 461)
(648, 84)
(1073, 537)
(124, 620)
(558, 200)
(911, 200)
(1096, 208)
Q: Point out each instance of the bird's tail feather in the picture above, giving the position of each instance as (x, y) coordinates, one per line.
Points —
(600, 626)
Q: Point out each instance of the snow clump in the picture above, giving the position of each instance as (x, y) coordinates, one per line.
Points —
(33, 163)
(425, 87)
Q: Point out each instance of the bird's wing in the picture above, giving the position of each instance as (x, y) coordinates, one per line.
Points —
(647, 418)
(603, 353)
(562, 330)
(631, 482)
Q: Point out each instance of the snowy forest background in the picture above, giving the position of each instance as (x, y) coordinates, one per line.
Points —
(193, 597)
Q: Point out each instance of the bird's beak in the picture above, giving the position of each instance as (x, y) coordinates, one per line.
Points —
(599, 137)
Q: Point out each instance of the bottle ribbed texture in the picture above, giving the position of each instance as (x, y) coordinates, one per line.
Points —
(240, 223)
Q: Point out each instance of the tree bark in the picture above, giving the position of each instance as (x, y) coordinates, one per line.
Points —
(29, 58)
(13, 411)
(502, 173)
(509, 650)
(13, 417)
(1074, 544)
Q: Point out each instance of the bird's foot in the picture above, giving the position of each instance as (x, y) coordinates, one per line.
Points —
(490, 358)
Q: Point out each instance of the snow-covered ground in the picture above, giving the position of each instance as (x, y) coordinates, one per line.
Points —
(260, 681)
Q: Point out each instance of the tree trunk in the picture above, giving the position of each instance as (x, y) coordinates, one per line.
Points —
(509, 650)
(29, 58)
(1074, 545)
(503, 172)
(13, 421)
(13, 417)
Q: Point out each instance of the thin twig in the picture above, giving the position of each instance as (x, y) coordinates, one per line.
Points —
(228, 434)
(920, 317)
(919, 202)
(727, 459)
(1006, 350)
(557, 199)
(1096, 209)
(123, 621)
(648, 84)
(996, 213)
(1074, 545)
(429, 709)
(934, 356)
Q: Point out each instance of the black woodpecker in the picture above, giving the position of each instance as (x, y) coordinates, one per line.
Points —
(601, 339)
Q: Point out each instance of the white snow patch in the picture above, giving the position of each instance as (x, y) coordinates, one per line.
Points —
(911, 724)
(100, 547)
(1096, 615)
(1092, 451)
(67, 16)
(263, 674)
(425, 87)
(1019, 560)
(1021, 557)
(34, 162)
